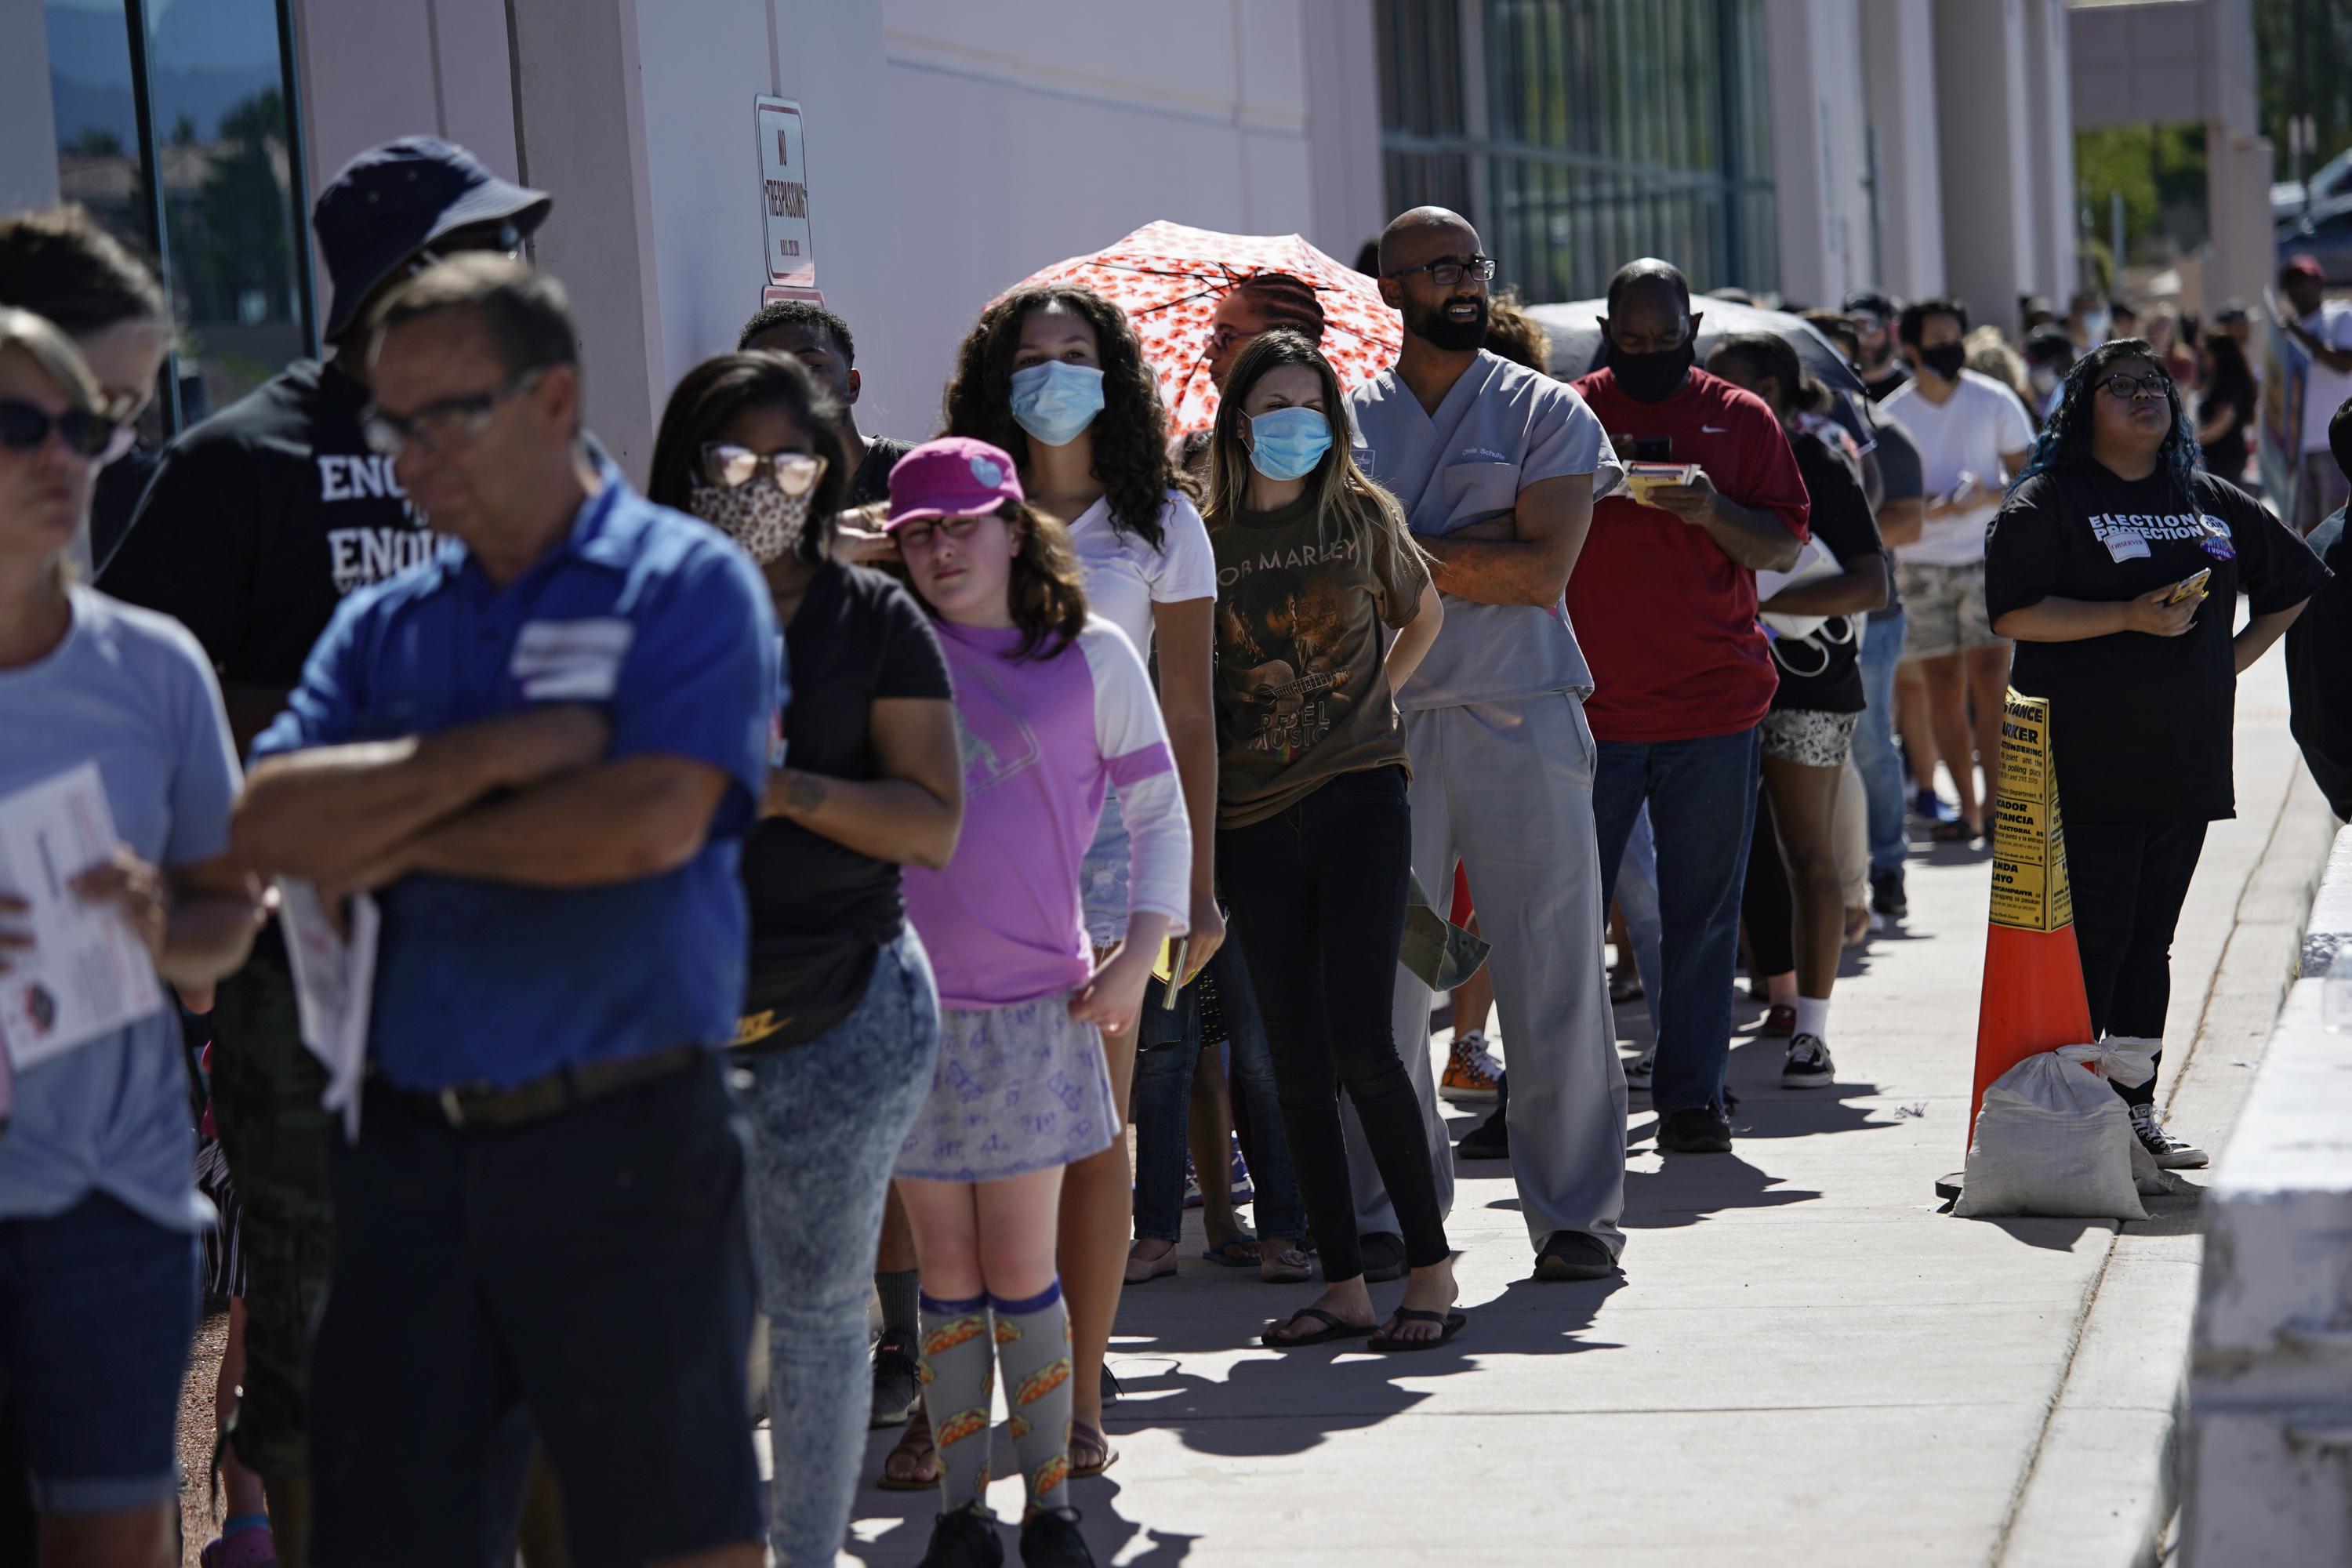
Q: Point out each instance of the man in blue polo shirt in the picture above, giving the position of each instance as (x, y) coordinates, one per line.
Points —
(541, 750)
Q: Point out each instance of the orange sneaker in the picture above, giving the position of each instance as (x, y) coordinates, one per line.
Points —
(1470, 1071)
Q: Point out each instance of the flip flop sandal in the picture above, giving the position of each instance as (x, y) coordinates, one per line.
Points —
(1235, 1252)
(1161, 1267)
(915, 1444)
(1083, 1434)
(1334, 1329)
(1954, 833)
(1290, 1267)
(1452, 1322)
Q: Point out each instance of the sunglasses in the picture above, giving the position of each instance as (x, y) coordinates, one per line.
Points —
(443, 427)
(1447, 272)
(921, 535)
(494, 239)
(2129, 387)
(730, 467)
(25, 427)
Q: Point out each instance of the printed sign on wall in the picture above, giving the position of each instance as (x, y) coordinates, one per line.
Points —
(784, 193)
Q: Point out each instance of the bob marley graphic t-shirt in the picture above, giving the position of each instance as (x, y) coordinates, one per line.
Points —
(1302, 688)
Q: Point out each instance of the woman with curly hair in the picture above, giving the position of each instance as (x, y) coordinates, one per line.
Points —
(1055, 377)
(2116, 563)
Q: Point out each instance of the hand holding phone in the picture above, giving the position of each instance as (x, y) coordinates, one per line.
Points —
(2188, 586)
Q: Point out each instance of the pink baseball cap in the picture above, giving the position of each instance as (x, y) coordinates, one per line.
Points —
(953, 477)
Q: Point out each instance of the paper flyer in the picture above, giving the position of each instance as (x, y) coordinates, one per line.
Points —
(87, 974)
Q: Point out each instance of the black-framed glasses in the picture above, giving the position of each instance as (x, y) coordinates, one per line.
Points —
(1447, 272)
(445, 425)
(731, 468)
(2156, 384)
(24, 427)
(923, 534)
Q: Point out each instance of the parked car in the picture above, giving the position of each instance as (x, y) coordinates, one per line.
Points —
(2326, 234)
(2330, 182)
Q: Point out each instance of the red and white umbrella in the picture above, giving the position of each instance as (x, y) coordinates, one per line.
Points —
(1170, 279)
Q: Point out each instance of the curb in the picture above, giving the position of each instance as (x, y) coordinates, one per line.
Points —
(2104, 1482)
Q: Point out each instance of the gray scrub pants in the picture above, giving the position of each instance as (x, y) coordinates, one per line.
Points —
(1506, 789)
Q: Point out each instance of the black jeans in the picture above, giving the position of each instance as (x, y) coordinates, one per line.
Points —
(1317, 894)
(2129, 879)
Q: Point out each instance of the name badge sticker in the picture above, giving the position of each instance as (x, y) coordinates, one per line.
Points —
(570, 661)
(2121, 546)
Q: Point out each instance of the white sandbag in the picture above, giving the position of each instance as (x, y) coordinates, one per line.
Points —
(2053, 1139)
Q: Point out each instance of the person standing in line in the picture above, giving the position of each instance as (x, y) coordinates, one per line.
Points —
(542, 752)
(2117, 564)
(1879, 361)
(1053, 706)
(1809, 730)
(2319, 651)
(1496, 466)
(1313, 562)
(2088, 322)
(821, 340)
(1057, 377)
(2225, 406)
(100, 1215)
(258, 523)
(839, 1033)
(2323, 327)
(1972, 433)
(2049, 355)
(1683, 674)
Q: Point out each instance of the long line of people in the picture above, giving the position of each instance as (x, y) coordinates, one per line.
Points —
(775, 868)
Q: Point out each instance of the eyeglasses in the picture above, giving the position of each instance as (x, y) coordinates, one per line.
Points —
(442, 426)
(25, 427)
(2154, 385)
(922, 535)
(730, 467)
(495, 239)
(1224, 338)
(1448, 270)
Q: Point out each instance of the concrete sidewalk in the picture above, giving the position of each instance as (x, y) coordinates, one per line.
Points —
(1804, 1363)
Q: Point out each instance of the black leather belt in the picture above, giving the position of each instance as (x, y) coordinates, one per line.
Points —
(478, 1109)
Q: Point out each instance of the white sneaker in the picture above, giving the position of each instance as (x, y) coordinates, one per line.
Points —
(1809, 1064)
(2171, 1154)
(1641, 1070)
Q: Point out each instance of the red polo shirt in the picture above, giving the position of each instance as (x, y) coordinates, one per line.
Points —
(1665, 619)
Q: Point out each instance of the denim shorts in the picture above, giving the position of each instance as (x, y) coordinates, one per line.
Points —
(97, 1308)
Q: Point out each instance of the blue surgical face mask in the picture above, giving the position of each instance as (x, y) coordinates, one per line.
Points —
(1288, 443)
(1055, 401)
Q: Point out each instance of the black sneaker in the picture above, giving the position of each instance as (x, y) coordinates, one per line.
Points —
(967, 1538)
(1886, 895)
(1809, 1064)
(1573, 1255)
(1051, 1540)
(1384, 1255)
(1490, 1139)
(1701, 1129)
(897, 1381)
(2171, 1154)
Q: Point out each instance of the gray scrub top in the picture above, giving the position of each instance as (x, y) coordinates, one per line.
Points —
(1501, 428)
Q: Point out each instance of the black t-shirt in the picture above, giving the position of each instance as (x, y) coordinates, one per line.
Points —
(2141, 726)
(820, 909)
(2319, 670)
(1900, 478)
(114, 499)
(1822, 672)
(2232, 389)
(262, 517)
(1880, 385)
(871, 481)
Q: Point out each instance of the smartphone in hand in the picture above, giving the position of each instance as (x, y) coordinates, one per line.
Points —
(2188, 586)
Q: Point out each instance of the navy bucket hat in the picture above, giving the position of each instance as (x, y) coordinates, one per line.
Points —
(393, 201)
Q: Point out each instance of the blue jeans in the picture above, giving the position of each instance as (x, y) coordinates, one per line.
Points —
(1873, 744)
(827, 1119)
(1702, 800)
(1168, 1047)
(1637, 895)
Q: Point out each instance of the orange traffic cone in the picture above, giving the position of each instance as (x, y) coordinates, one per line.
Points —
(2033, 998)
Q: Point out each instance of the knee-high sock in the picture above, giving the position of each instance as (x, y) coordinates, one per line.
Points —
(1033, 1342)
(959, 1374)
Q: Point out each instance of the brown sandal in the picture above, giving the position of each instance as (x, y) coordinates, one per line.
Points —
(1087, 1439)
(914, 1444)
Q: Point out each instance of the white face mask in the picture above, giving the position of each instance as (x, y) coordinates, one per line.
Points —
(2096, 325)
(762, 519)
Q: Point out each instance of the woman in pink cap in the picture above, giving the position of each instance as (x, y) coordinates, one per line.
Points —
(1054, 708)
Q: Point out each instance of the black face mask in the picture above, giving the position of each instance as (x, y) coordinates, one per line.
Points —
(1651, 377)
(1946, 360)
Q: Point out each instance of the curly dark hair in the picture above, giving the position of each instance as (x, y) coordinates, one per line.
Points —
(709, 396)
(1130, 435)
(2065, 440)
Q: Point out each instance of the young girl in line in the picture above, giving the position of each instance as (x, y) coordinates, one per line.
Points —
(1053, 707)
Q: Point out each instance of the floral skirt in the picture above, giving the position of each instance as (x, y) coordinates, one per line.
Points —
(1017, 1089)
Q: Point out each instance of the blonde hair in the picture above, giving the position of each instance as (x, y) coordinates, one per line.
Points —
(1363, 513)
(54, 353)
(1990, 354)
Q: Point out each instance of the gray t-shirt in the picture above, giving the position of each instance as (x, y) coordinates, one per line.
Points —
(1501, 428)
(133, 692)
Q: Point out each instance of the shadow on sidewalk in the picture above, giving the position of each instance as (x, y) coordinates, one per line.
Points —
(1663, 1192)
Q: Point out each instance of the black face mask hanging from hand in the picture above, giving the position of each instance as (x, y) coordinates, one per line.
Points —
(1651, 377)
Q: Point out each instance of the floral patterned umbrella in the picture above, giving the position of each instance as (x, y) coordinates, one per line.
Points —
(1170, 279)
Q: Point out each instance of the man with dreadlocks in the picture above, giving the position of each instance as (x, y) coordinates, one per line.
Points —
(2117, 563)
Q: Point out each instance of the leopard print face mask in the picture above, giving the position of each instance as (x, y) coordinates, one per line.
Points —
(757, 515)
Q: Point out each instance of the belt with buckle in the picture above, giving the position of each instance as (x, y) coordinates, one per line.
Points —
(478, 1107)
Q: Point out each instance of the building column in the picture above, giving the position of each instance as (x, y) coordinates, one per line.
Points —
(1343, 125)
(1898, 45)
(28, 126)
(1821, 176)
(1984, 124)
(2050, 99)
